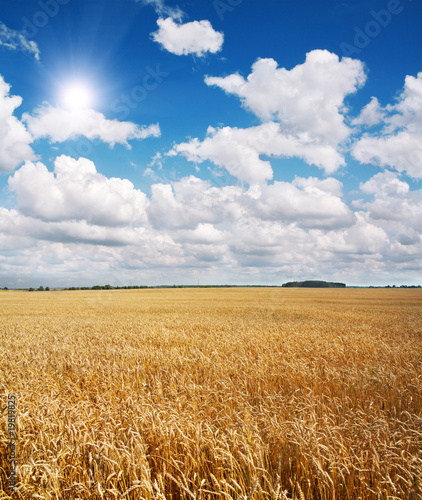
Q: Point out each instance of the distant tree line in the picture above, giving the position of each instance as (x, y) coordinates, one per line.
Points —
(141, 287)
(403, 286)
(313, 284)
(290, 284)
(107, 287)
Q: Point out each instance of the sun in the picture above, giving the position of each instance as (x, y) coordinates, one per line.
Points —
(77, 96)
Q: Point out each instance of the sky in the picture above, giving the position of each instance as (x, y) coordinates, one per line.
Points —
(161, 142)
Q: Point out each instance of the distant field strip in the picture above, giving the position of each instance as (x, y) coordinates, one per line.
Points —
(213, 393)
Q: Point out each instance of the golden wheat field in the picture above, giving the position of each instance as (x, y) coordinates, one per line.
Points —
(236, 393)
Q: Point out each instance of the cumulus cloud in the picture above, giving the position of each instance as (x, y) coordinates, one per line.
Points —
(394, 205)
(192, 201)
(76, 191)
(397, 210)
(302, 111)
(372, 114)
(74, 219)
(241, 249)
(266, 232)
(386, 184)
(203, 234)
(398, 144)
(196, 37)
(18, 231)
(239, 150)
(60, 124)
(361, 238)
(309, 98)
(190, 209)
(310, 203)
(15, 40)
(14, 138)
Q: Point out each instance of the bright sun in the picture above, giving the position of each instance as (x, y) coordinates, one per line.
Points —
(77, 96)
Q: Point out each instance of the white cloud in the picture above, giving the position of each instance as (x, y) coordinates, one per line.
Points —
(75, 191)
(263, 243)
(235, 149)
(397, 210)
(385, 183)
(24, 231)
(149, 172)
(361, 238)
(239, 150)
(59, 124)
(307, 99)
(196, 37)
(78, 223)
(191, 201)
(15, 40)
(161, 8)
(310, 203)
(14, 138)
(372, 114)
(302, 113)
(203, 234)
(399, 144)
(226, 234)
(394, 206)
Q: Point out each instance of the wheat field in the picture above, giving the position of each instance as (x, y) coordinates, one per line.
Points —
(236, 393)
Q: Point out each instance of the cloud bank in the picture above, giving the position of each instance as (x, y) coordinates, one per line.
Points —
(279, 230)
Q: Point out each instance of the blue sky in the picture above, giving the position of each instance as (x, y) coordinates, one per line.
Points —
(219, 141)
